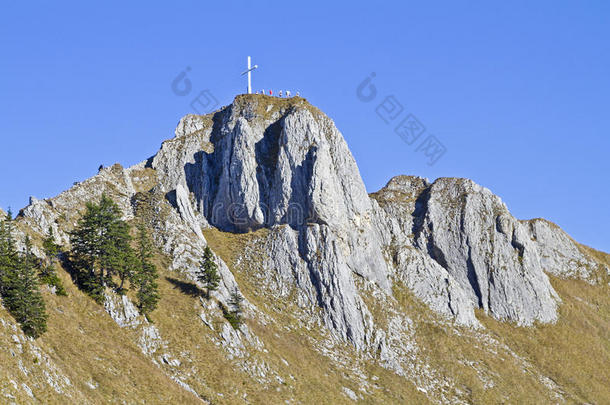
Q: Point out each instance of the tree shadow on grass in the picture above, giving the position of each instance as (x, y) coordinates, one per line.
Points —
(187, 287)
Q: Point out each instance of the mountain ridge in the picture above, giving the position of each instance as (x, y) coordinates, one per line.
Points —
(277, 171)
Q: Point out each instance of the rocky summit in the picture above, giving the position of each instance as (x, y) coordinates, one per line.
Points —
(420, 292)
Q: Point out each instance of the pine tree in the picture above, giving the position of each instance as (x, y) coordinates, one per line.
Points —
(235, 302)
(8, 253)
(32, 316)
(47, 271)
(145, 273)
(21, 295)
(101, 249)
(208, 272)
(116, 255)
(235, 312)
(51, 249)
(85, 253)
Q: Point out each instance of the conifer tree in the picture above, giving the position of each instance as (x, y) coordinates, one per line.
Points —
(101, 249)
(234, 315)
(86, 252)
(51, 249)
(208, 272)
(145, 273)
(47, 271)
(8, 253)
(116, 255)
(20, 289)
(32, 310)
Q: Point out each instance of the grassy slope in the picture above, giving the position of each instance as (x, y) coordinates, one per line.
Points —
(574, 353)
(88, 346)
(318, 379)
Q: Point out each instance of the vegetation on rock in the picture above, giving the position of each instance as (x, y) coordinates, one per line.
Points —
(101, 253)
(145, 275)
(208, 272)
(47, 270)
(234, 314)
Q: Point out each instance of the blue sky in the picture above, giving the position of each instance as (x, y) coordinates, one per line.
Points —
(516, 93)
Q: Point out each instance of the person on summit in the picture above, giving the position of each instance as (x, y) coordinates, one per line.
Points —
(288, 93)
(280, 93)
(270, 92)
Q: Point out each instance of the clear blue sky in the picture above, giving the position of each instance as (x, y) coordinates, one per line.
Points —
(516, 91)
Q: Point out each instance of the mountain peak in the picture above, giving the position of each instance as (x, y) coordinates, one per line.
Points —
(264, 161)
(271, 186)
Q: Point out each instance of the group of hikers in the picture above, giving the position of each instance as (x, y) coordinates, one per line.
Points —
(280, 93)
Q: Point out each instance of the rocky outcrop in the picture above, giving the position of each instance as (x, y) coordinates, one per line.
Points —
(469, 232)
(267, 162)
(425, 277)
(313, 249)
(281, 164)
(178, 231)
(62, 212)
(559, 254)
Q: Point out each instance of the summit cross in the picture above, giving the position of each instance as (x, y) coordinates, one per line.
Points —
(249, 72)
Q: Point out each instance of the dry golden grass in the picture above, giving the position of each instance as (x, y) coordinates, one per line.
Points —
(177, 318)
(88, 346)
(144, 179)
(266, 106)
(317, 378)
(574, 352)
(461, 355)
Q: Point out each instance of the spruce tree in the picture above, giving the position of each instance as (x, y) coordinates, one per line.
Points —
(20, 293)
(116, 255)
(32, 314)
(47, 271)
(208, 272)
(101, 249)
(235, 312)
(86, 251)
(51, 249)
(8, 253)
(145, 273)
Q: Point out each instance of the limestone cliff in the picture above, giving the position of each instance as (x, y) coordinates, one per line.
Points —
(275, 178)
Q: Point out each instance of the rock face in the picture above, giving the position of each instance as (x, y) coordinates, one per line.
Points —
(559, 254)
(424, 276)
(266, 163)
(281, 164)
(469, 231)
